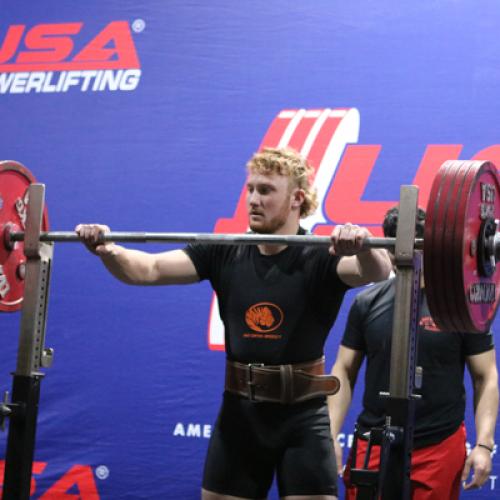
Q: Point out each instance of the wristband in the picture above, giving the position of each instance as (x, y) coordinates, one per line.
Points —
(490, 449)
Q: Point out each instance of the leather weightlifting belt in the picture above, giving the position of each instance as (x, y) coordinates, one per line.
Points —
(286, 384)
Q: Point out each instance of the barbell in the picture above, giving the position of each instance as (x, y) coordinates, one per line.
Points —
(461, 245)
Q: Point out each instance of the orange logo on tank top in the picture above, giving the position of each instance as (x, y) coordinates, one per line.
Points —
(264, 317)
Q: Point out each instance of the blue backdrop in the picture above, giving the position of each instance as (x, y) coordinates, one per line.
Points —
(142, 115)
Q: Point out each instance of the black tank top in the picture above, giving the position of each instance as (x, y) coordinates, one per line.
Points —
(276, 309)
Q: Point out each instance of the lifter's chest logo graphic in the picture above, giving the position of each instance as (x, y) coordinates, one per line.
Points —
(264, 317)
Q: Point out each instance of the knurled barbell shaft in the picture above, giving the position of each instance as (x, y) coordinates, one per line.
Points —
(211, 238)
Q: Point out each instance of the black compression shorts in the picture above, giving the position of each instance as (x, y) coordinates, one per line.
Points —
(251, 441)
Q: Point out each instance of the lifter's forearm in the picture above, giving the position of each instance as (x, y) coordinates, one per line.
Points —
(133, 267)
(346, 368)
(374, 264)
(486, 410)
(483, 370)
(338, 407)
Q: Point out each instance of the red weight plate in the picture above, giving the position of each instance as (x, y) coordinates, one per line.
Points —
(463, 194)
(480, 294)
(431, 266)
(434, 258)
(14, 182)
(442, 227)
(452, 244)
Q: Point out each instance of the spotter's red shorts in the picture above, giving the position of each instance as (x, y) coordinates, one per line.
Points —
(435, 470)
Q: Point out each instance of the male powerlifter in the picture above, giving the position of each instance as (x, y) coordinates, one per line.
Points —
(277, 304)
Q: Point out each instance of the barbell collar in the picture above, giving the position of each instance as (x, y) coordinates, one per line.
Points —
(494, 246)
(210, 238)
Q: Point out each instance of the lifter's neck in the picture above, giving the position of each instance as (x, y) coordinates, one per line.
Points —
(286, 230)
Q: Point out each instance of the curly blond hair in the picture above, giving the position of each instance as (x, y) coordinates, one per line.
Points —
(289, 163)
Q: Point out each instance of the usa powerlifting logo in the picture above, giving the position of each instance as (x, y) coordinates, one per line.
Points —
(75, 481)
(56, 58)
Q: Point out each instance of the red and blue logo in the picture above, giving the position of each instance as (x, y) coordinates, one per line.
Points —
(43, 58)
(80, 479)
(342, 169)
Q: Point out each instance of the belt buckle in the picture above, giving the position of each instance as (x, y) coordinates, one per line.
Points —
(250, 382)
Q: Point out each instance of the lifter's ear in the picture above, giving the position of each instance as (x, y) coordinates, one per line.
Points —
(298, 197)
